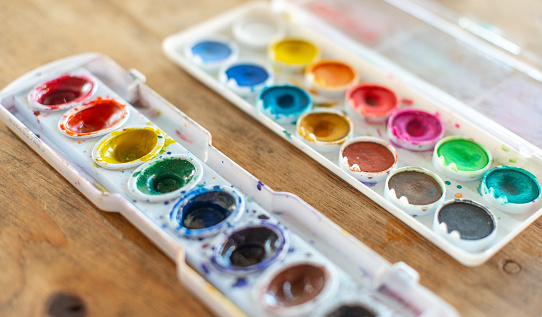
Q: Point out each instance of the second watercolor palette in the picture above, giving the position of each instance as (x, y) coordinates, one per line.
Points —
(463, 188)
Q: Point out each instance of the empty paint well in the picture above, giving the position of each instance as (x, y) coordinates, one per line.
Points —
(324, 130)
(368, 159)
(258, 30)
(330, 77)
(212, 52)
(414, 130)
(510, 189)
(285, 103)
(250, 248)
(205, 211)
(415, 190)
(296, 289)
(246, 77)
(165, 178)
(293, 54)
(373, 101)
(62, 93)
(95, 118)
(466, 224)
(461, 158)
(129, 147)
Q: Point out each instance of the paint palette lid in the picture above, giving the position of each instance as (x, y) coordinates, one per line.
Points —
(467, 63)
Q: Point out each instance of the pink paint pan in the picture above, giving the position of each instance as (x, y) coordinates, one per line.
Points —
(414, 130)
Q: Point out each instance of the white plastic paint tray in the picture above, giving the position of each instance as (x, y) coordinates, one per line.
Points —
(359, 275)
(478, 90)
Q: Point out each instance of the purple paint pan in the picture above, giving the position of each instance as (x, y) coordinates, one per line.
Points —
(251, 248)
(414, 130)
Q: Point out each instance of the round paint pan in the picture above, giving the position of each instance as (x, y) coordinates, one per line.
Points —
(354, 305)
(206, 210)
(128, 147)
(258, 30)
(466, 224)
(368, 159)
(246, 77)
(461, 158)
(93, 119)
(415, 190)
(330, 78)
(284, 104)
(250, 248)
(510, 189)
(374, 102)
(297, 289)
(324, 129)
(165, 178)
(62, 93)
(293, 54)
(414, 130)
(211, 52)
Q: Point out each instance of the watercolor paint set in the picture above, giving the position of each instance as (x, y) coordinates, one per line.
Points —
(242, 248)
(333, 84)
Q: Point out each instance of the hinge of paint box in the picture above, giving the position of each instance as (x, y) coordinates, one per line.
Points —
(398, 270)
(396, 284)
(132, 90)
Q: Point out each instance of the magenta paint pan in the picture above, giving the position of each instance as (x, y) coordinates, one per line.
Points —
(250, 248)
(374, 102)
(298, 288)
(414, 130)
(62, 93)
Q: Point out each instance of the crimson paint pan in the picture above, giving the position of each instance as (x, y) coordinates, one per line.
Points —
(95, 118)
(62, 92)
(251, 247)
(205, 211)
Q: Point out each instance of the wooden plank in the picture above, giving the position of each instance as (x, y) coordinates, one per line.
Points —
(58, 252)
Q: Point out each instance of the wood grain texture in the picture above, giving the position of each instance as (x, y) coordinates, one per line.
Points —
(59, 253)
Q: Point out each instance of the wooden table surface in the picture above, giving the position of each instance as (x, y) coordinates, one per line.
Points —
(60, 255)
